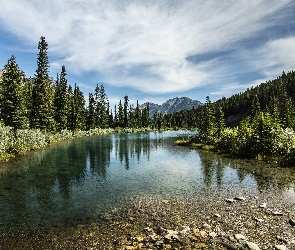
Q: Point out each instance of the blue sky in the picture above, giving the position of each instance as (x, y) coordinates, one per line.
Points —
(154, 50)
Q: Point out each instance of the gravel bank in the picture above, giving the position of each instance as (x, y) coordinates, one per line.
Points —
(211, 220)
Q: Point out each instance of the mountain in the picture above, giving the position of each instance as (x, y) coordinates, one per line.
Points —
(172, 105)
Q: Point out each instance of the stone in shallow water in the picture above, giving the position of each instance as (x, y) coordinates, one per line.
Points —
(292, 222)
(259, 220)
(280, 247)
(212, 234)
(203, 234)
(206, 226)
(240, 198)
(252, 246)
(262, 205)
(277, 213)
(240, 237)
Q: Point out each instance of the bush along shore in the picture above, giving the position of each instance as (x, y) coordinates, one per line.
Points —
(261, 135)
(15, 143)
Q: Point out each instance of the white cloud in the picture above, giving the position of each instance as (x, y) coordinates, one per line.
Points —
(276, 56)
(143, 44)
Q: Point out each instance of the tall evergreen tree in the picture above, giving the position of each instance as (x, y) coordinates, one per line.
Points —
(77, 113)
(61, 100)
(103, 107)
(126, 120)
(120, 115)
(91, 112)
(14, 111)
(42, 115)
(138, 116)
(220, 121)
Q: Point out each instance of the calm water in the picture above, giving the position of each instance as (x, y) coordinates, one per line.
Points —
(77, 179)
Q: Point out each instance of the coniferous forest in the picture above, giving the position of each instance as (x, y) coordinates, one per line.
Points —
(38, 110)
(34, 111)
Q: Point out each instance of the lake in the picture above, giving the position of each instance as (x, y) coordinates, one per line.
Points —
(75, 181)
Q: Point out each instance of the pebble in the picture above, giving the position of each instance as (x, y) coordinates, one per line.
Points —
(252, 246)
(259, 220)
(280, 247)
(240, 198)
(206, 226)
(240, 237)
(292, 222)
(262, 205)
(277, 213)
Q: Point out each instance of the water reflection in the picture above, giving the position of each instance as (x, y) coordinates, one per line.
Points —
(78, 178)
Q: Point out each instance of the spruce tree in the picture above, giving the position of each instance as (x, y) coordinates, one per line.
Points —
(42, 115)
(120, 115)
(14, 110)
(126, 120)
(61, 100)
(77, 112)
(91, 112)
(103, 104)
(138, 116)
(220, 121)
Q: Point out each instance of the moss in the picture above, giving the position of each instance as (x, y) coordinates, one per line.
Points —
(182, 142)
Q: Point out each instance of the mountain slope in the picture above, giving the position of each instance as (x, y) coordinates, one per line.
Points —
(172, 105)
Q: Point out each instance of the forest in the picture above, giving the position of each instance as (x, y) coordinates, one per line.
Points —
(258, 123)
(35, 111)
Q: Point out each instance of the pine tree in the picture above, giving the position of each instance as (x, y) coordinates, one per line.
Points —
(103, 107)
(126, 120)
(120, 115)
(77, 112)
(14, 110)
(61, 100)
(115, 123)
(220, 121)
(42, 115)
(138, 116)
(101, 102)
(207, 127)
(91, 112)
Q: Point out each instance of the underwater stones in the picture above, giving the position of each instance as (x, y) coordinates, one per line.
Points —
(262, 205)
(206, 226)
(280, 247)
(240, 198)
(240, 237)
(259, 220)
(292, 222)
(277, 213)
(252, 246)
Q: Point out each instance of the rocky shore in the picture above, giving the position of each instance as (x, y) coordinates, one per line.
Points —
(213, 220)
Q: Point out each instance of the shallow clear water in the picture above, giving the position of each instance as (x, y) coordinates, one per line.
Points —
(78, 179)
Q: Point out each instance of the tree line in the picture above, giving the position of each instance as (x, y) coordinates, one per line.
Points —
(257, 123)
(49, 104)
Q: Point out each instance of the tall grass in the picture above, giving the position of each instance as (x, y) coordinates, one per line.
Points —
(12, 145)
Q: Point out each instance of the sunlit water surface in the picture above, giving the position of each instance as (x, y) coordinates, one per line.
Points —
(77, 179)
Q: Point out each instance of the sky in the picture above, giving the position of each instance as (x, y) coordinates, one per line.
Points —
(153, 50)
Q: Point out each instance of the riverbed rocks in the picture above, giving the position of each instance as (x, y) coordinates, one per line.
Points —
(187, 222)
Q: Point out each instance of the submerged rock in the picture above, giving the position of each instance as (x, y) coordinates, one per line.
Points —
(280, 247)
(252, 246)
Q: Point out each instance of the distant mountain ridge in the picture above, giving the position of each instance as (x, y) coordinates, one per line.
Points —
(172, 105)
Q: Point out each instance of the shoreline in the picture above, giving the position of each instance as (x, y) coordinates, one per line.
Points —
(200, 221)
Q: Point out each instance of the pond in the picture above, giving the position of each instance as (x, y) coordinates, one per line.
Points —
(76, 181)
